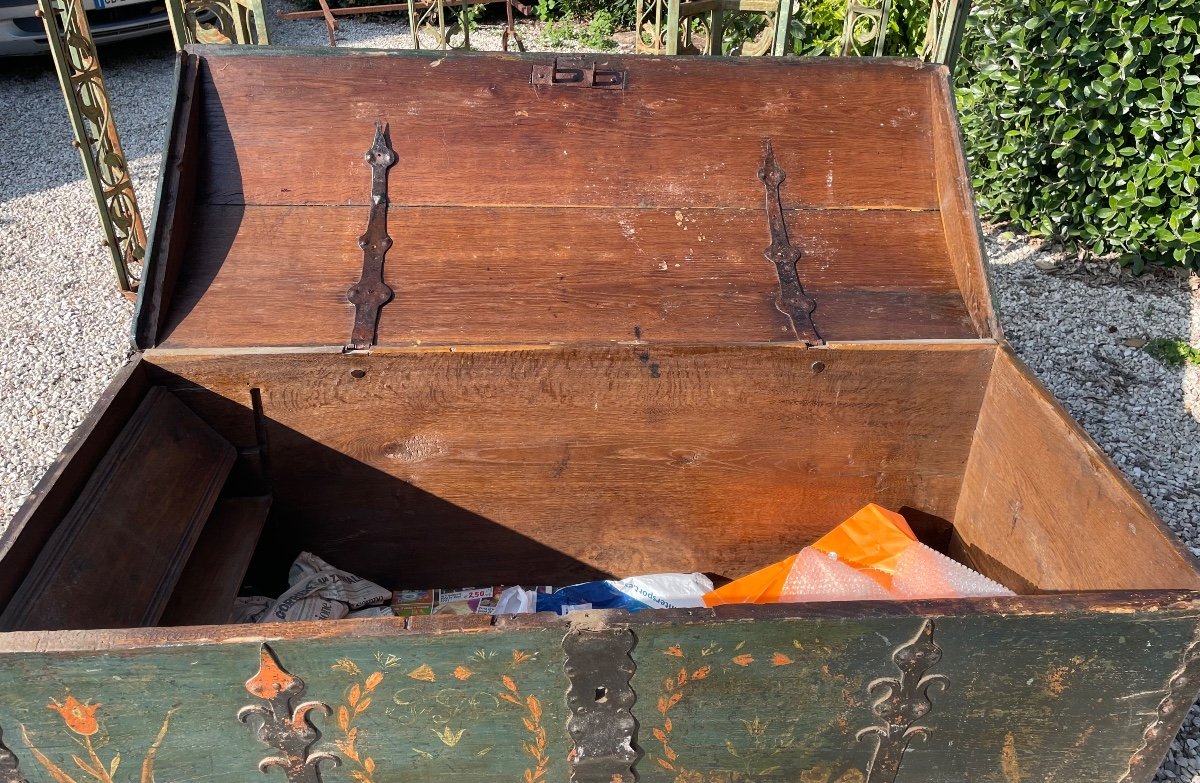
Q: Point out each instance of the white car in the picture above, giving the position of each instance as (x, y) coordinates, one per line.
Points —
(21, 32)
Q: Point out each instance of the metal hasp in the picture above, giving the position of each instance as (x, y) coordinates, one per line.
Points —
(370, 293)
(577, 73)
(600, 699)
(74, 53)
(791, 300)
(902, 702)
(283, 725)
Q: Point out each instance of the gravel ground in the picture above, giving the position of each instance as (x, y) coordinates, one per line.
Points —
(63, 327)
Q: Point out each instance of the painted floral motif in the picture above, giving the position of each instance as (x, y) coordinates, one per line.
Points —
(444, 701)
(81, 718)
(424, 673)
(756, 748)
(536, 745)
(672, 693)
(357, 701)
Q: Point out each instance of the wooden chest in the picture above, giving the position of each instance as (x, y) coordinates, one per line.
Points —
(600, 356)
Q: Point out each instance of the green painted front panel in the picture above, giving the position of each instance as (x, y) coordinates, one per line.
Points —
(437, 708)
(1029, 698)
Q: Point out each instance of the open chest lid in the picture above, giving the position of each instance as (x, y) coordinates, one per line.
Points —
(570, 200)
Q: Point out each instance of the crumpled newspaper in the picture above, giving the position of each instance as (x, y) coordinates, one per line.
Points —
(316, 591)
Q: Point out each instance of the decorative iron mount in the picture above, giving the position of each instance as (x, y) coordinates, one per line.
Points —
(370, 293)
(10, 771)
(600, 699)
(901, 702)
(791, 300)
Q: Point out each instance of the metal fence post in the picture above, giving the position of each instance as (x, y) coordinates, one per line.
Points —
(943, 37)
(217, 22)
(95, 132)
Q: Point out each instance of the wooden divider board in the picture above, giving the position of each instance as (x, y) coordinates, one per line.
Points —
(115, 558)
(208, 585)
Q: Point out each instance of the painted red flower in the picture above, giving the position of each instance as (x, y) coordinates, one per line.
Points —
(80, 717)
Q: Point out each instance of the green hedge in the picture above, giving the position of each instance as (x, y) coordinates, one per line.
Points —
(1080, 122)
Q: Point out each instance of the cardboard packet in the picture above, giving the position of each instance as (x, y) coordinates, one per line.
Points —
(461, 600)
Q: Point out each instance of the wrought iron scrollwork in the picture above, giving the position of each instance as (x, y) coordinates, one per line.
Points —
(282, 725)
(651, 16)
(82, 83)
(901, 702)
(864, 31)
(217, 22)
(944, 31)
(429, 16)
(673, 26)
(10, 771)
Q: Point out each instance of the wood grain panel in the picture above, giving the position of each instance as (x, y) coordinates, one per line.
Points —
(52, 497)
(472, 129)
(213, 576)
(959, 218)
(277, 276)
(114, 559)
(171, 226)
(488, 467)
(1042, 501)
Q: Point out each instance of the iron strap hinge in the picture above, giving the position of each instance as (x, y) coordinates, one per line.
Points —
(370, 293)
(577, 73)
(791, 299)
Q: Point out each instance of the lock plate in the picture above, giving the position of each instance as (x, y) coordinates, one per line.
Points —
(571, 72)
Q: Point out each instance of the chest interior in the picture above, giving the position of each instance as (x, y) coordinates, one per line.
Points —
(585, 370)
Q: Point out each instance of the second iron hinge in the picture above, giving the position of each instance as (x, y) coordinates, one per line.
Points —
(371, 293)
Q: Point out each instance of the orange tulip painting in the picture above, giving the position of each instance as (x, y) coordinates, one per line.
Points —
(81, 718)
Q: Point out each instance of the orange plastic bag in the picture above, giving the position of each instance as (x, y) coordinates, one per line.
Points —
(872, 555)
